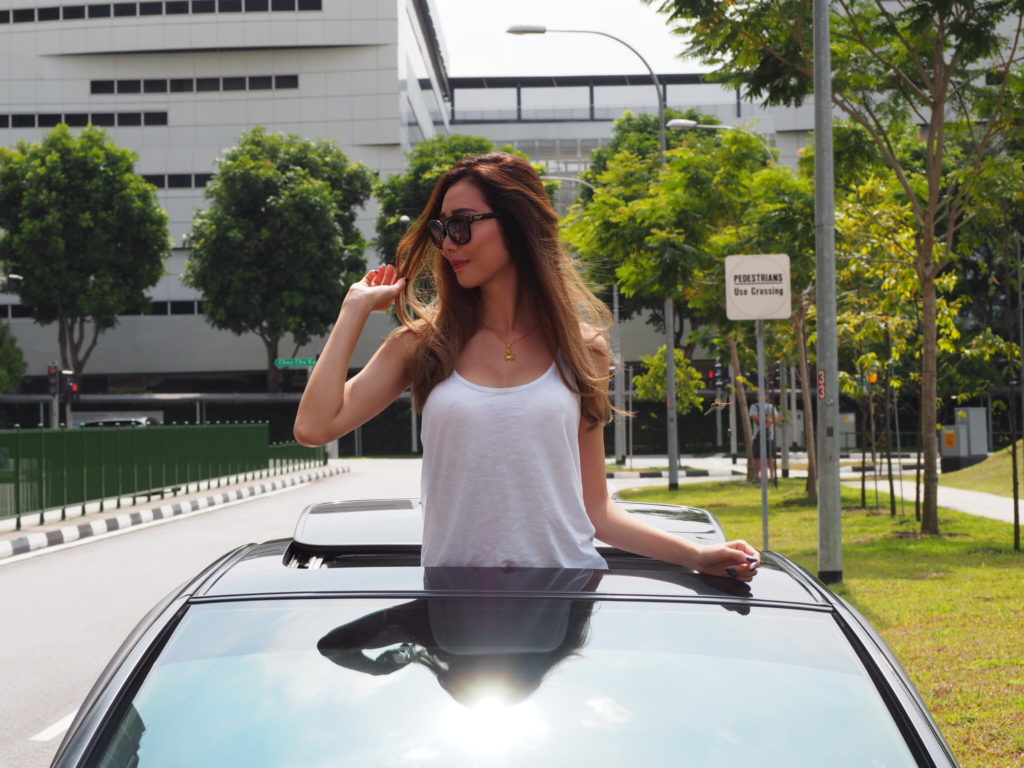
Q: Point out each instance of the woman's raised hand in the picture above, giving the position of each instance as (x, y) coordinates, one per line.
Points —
(378, 289)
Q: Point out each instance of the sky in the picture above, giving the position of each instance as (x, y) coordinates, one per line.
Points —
(477, 44)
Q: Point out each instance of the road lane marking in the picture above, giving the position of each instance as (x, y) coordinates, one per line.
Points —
(55, 730)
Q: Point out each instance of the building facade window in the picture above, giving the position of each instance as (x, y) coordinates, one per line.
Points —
(188, 85)
(80, 119)
(170, 8)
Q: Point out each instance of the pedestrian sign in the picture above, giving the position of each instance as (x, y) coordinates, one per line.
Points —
(757, 287)
(295, 362)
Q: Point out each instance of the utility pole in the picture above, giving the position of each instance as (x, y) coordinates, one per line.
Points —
(830, 534)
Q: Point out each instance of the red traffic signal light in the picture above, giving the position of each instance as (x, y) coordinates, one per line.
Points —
(53, 378)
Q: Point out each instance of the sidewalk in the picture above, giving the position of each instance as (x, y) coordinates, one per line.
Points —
(972, 502)
(206, 495)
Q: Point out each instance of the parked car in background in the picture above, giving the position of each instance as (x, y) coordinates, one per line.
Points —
(335, 648)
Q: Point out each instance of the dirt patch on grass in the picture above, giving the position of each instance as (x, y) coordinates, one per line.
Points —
(919, 535)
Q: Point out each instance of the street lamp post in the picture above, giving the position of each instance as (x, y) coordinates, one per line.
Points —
(672, 436)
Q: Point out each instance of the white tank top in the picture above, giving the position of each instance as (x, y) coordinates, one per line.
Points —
(501, 483)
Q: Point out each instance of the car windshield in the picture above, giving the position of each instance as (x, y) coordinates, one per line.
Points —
(510, 681)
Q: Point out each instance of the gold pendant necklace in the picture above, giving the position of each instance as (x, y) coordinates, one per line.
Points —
(509, 354)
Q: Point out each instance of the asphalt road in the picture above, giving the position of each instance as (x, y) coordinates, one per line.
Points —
(64, 612)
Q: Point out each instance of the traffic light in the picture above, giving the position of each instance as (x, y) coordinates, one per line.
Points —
(71, 390)
(721, 374)
(712, 381)
(53, 375)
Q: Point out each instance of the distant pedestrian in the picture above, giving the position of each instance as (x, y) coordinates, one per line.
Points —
(765, 465)
(503, 346)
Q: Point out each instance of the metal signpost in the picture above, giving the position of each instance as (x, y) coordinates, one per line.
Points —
(757, 288)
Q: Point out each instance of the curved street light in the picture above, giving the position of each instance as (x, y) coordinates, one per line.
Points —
(682, 124)
(669, 310)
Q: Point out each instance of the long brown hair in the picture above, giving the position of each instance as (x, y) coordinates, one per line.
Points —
(444, 315)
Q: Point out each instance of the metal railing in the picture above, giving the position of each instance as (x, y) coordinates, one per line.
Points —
(288, 457)
(48, 469)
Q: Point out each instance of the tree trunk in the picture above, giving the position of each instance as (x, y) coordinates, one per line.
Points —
(887, 409)
(799, 319)
(864, 457)
(71, 336)
(273, 374)
(929, 391)
(741, 403)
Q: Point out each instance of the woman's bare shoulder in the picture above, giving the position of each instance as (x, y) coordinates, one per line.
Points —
(406, 339)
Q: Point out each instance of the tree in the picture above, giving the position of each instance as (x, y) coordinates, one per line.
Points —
(83, 230)
(650, 385)
(667, 234)
(406, 194)
(894, 64)
(634, 136)
(278, 246)
(12, 362)
(650, 233)
(776, 215)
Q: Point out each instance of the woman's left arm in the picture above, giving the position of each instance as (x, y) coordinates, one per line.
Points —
(615, 526)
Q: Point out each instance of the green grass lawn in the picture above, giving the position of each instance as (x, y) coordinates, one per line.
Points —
(950, 606)
(993, 475)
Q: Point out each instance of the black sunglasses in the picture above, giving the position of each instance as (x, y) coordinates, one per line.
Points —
(456, 227)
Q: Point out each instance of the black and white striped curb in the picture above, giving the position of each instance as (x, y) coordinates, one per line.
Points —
(33, 541)
(660, 473)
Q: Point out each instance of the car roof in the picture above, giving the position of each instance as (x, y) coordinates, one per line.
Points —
(371, 547)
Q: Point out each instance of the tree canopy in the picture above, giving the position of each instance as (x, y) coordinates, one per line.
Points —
(278, 246)
(944, 65)
(12, 362)
(83, 230)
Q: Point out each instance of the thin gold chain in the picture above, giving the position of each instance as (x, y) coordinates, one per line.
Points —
(509, 354)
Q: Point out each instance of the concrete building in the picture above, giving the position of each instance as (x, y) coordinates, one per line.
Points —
(178, 83)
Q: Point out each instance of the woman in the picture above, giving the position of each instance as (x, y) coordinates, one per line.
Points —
(508, 362)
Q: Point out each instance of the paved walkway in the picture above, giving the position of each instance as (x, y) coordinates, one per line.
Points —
(972, 502)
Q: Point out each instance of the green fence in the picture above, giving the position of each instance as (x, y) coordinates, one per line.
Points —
(286, 457)
(43, 469)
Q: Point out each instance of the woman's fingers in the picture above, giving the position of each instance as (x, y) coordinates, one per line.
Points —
(384, 275)
(735, 559)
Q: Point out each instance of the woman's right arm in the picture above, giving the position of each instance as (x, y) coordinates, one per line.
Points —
(333, 405)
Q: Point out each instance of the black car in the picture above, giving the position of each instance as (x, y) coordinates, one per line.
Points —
(335, 648)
